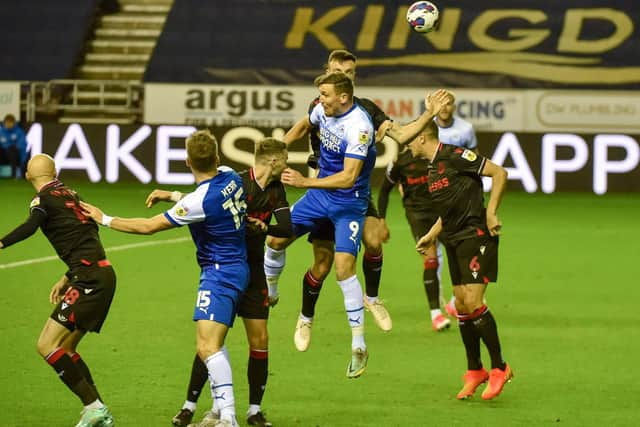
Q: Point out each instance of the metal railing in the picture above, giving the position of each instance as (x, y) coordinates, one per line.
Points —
(84, 96)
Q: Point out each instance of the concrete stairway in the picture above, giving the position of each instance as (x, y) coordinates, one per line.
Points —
(120, 50)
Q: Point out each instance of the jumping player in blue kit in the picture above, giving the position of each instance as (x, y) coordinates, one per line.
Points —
(215, 214)
(340, 195)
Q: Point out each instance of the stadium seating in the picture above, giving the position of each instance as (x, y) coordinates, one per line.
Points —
(42, 39)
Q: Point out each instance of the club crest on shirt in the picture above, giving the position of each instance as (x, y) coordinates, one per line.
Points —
(363, 136)
(35, 202)
(469, 155)
(182, 211)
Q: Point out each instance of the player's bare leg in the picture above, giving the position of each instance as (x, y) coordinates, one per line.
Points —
(372, 269)
(54, 344)
(345, 265)
(311, 287)
(477, 323)
(257, 368)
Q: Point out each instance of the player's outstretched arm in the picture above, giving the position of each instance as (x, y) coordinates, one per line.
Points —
(162, 196)
(429, 239)
(127, 225)
(346, 178)
(433, 104)
(298, 130)
(24, 230)
(283, 226)
(498, 176)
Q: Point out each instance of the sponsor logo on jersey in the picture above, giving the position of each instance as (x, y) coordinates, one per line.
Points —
(87, 291)
(363, 136)
(330, 142)
(469, 155)
(35, 202)
(182, 211)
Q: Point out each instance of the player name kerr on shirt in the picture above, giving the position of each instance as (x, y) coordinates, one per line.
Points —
(216, 241)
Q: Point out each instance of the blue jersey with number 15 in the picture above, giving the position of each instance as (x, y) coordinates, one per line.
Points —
(215, 214)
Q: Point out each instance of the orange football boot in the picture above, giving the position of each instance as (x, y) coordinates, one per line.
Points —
(472, 380)
(497, 380)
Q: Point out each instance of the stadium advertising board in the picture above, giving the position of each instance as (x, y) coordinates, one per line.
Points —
(548, 162)
(488, 110)
(282, 106)
(9, 99)
(499, 44)
(592, 111)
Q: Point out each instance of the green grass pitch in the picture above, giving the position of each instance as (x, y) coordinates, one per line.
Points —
(566, 305)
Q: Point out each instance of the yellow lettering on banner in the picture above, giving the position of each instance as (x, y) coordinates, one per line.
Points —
(303, 23)
(573, 21)
(400, 31)
(370, 28)
(521, 38)
(441, 38)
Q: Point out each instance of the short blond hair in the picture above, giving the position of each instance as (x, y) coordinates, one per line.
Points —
(202, 151)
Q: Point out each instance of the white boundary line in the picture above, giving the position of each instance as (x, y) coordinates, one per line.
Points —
(108, 250)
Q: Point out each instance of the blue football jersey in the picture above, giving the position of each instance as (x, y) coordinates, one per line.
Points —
(215, 214)
(348, 135)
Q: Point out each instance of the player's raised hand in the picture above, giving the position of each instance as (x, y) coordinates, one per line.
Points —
(92, 212)
(292, 177)
(157, 196)
(58, 290)
(436, 100)
(493, 224)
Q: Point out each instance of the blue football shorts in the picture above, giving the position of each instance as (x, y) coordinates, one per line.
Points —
(221, 286)
(347, 216)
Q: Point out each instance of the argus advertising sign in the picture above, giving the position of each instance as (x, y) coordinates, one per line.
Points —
(488, 110)
(282, 106)
(498, 44)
